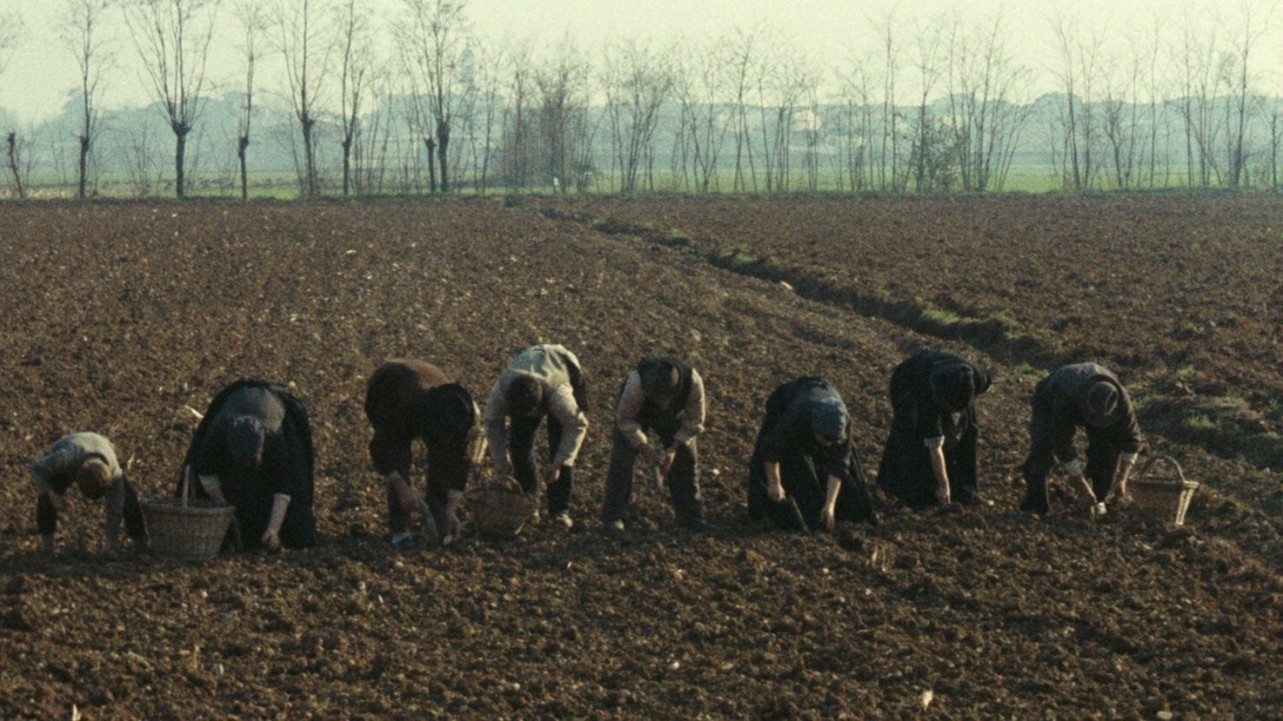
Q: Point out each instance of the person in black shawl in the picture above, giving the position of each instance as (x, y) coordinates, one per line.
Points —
(805, 473)
(930, 454)
(253, 449)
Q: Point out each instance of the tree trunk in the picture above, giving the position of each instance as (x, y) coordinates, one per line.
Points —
(241, 147)
(180, 152)
(432, 167)
(443, 144)
(13, 164)
(347, 165)
(84, 166)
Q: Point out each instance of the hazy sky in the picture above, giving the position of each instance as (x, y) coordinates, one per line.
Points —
(41, 72)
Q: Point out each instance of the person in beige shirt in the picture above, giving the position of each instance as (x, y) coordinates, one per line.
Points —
(663, 395)
(87, 460)
(543, 381)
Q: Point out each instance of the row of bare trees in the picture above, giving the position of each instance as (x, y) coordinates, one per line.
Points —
(929, 105)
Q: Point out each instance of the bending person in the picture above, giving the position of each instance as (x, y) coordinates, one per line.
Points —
(407, 400)
(89, 461)
(1088, 396)
(253, 449)
(543, 381)
(663, 395)
(930, 454)
(804, 459)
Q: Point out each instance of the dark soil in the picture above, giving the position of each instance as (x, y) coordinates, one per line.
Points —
(122, 318)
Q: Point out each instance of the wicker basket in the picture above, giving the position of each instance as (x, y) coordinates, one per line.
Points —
(188, 528)
(500, 509)
(1163, 495)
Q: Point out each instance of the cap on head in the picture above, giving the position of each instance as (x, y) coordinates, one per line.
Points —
(828, 418)
(660, 382)
(245, 438)
(524, 395)
(94, 478)
(1102, 404)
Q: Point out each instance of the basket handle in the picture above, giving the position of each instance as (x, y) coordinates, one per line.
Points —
(187, 479)
(1180, 474)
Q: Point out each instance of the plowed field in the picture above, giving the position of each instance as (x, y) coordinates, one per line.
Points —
(122, 318)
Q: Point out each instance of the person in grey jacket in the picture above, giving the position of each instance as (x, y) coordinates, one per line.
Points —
(1088, 396)
(543, 381)
(89, 461)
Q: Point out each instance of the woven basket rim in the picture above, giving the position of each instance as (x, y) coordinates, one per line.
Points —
(194, 507)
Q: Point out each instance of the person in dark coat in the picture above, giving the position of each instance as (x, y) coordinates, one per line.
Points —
(663, 395)
(1088, 396)
(543, 381)
(407, 400)
(87, 460)
(930, 454)
(805, 473)
(253, 449)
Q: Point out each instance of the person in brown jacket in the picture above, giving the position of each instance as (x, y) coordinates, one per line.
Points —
(407, 400)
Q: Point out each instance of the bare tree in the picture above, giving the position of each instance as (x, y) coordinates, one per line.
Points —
(433, 41)
(304, 41)
(80, 30)
(890, 176)
(855, 121)
(740, 61)
(987, 103)
(254, 21)
(635, 82)
(518, 124)
(173, 38)
(701, 129)
(1238, 78)
(490, 67)
(1196, 60)
(356, 60)
(563, 90)
(1080, 73)
(10, 32)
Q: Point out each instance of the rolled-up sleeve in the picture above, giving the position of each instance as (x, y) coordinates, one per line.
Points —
(693, 420)
(630, 404)
(574, 425)
(495, 422)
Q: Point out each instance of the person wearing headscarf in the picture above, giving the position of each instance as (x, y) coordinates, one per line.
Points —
(930, 453)
(87, 460)
(407, 400)
(665, 396)
(805, 473)
(1087, 396)
(253, 450)
(543, 381)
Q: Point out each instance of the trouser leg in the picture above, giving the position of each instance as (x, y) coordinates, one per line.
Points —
(619, 479)
(963, 468)
(521, 449)
(1102, 465)
(1038, 464)
(559, 491)
(46, 515)
(683, 483)
(134, 525)
(393, 454)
